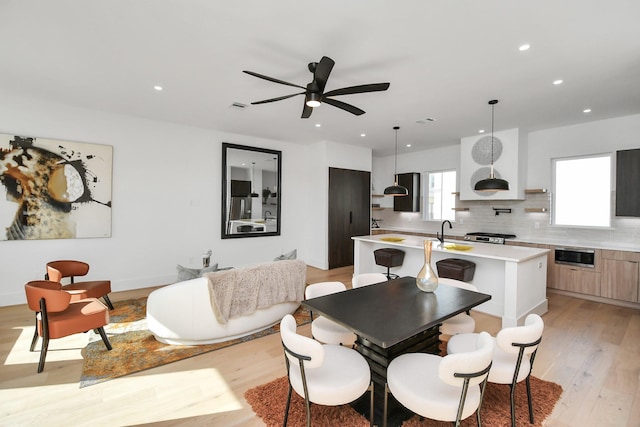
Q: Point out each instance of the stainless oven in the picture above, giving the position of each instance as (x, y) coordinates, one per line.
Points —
(576, 256)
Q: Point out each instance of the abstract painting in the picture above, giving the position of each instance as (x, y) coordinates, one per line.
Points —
(54, 189)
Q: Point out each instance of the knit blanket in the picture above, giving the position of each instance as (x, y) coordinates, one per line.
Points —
(241, 291)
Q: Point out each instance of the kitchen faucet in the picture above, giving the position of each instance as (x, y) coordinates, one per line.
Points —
(440, 235)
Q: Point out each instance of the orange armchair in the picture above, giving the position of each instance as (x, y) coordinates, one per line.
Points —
(58, 316)
(57, 270)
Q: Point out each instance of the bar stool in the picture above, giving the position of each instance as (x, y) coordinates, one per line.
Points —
(389, 257)
(456, 268)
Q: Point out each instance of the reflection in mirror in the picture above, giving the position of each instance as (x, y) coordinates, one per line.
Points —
(251, 181)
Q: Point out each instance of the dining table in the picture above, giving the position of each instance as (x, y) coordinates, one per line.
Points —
(391, 318)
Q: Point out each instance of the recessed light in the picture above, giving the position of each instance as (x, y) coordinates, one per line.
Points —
(481, 131)
(408, 145)
(318, 125)
(425, 120)
(557, 82)
(586, 110)
(524, 47)
(363, 135)
(158, 88)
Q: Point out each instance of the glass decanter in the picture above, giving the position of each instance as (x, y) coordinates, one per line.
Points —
(427, 279)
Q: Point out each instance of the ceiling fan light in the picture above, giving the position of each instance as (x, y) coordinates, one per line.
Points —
(313, 99)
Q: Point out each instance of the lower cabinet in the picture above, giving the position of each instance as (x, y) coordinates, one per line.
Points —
(620, 275)
(576, 279)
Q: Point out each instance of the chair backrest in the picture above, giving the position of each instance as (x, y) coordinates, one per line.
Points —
(366, 279)
(529, 333)
(321, 289)
(309, 349)
(55, 298)
(457, 284)
(455, 367)
(56, 270)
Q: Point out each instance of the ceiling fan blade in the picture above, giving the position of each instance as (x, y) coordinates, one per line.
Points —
(280, 98)
(306, 111)
(323, 69)
(271, 79)
(374, 87)
(343, 105)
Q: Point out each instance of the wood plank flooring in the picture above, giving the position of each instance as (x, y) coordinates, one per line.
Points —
(591, 349)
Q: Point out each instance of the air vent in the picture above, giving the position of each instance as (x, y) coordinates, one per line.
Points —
(238, 106)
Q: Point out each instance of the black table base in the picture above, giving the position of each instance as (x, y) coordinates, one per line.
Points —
(379, 358)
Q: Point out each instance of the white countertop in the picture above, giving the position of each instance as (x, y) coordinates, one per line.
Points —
(560, 242)
(478, 250)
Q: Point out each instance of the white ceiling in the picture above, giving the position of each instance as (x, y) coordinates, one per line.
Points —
(444, 59)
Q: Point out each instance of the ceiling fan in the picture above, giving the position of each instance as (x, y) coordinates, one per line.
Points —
(314, 94)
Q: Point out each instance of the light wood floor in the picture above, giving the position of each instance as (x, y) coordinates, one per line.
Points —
(591, 349)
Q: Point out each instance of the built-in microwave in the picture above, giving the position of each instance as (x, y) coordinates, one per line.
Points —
(576, 256)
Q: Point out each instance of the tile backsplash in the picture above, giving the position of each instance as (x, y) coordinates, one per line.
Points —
(527, 226)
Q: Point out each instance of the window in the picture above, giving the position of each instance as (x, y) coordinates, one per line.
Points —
(439, 198)
(582, 189)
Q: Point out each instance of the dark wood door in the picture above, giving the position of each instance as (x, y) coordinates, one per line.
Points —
(349, 212)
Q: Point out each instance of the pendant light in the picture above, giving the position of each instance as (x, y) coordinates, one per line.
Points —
(253, 191)
(395, 189)
(492, 183)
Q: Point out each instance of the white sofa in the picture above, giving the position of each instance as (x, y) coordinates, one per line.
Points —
(183, 313)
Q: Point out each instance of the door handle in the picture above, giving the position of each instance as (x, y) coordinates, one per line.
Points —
(350, 217)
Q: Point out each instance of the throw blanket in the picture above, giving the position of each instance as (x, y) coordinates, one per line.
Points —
(241, 291)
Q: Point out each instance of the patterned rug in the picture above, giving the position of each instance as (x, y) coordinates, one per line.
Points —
(135, 349)
(268, 402)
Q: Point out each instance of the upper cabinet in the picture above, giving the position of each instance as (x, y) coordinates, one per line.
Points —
(410, 202)
(627, 178)
(509, 163)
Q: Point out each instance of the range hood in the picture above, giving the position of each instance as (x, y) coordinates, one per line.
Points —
(509, 160)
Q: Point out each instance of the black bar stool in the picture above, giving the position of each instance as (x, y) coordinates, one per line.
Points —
(389, 257)
(456, 268)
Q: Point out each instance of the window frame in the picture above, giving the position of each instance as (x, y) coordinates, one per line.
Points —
(554, 193)
(426, 193)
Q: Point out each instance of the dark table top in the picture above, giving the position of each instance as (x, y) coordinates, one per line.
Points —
(390, 312)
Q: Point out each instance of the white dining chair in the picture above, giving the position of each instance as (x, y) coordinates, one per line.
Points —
(513, 357)
(448, 388)
(365, 279)
(461, 323)
(325, 330)
(323, 374)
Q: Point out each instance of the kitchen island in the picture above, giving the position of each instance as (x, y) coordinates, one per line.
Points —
(514, 276)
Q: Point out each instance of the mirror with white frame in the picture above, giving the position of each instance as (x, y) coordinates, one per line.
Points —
(250, 191)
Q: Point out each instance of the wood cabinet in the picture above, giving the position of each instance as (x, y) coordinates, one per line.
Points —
(576, 279)
(627, 177)
(349, 212)
(410, 202)
(572, 278)
(620, 275)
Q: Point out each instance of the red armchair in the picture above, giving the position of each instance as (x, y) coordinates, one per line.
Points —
(57, 270)
(57, 316)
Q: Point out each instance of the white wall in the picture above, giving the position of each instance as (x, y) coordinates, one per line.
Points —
(166, 200)
(603, 136)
